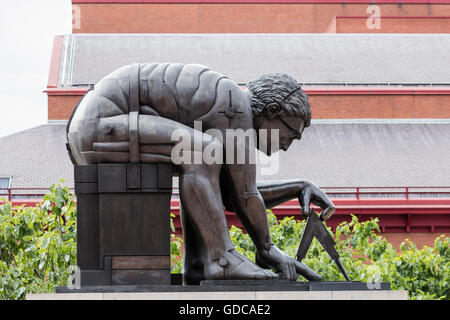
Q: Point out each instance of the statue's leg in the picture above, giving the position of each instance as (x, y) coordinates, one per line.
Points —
(201, 201)
(193, 251)
(203, 206)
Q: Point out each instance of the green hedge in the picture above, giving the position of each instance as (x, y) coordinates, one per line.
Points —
(366, 256)
(38, 244)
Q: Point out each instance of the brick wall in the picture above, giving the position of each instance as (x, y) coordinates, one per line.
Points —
(232, 18)
(348, 106)
(60, 107)
(380, 106)
(392, 25)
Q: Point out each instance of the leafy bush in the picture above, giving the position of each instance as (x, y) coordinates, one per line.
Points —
(38, 244)
(176, 260)
(367, 257)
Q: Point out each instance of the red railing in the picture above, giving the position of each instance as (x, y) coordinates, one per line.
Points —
(398, 209)
(12, 194)
(388, 192)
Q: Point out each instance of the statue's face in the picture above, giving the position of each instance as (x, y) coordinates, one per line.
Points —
(289, 129)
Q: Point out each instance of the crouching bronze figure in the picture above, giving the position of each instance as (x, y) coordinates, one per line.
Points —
(131, 116)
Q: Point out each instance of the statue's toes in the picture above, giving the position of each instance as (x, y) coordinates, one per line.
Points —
(234, 266)
(271, 275)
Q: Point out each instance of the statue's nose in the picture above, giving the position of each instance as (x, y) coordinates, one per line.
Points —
(286, 145)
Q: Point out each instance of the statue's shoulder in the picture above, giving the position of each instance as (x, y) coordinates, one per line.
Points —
(231, 106)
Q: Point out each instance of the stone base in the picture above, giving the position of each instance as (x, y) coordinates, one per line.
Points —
(230, 295)
(232, 290)
(234, 286)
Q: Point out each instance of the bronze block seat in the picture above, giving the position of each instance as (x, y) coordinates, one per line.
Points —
(123, 223)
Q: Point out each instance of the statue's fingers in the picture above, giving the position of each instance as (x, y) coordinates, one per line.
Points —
(304, 200)
(301, 268)
(327, 213)
(325, 204)
(320, 198)
(293, 271)
(283, 271)
(305, 271)
(328, 202)
(319, 202)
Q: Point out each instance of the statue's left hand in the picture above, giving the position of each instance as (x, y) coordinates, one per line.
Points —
(311, 193)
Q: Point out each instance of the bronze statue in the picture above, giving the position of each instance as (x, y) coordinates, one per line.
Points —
(131, 116)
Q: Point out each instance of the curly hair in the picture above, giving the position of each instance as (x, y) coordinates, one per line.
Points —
(283, 89)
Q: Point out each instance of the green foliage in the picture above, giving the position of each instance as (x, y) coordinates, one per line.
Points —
(367, 257)
(175, 248)
(37, 245)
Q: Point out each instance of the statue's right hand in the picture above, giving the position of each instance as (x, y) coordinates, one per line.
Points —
(311, 193)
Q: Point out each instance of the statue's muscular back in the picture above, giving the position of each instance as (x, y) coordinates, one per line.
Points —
(180, 92)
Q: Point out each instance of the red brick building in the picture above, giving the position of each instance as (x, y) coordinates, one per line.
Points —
(260, 16)
(380, 102)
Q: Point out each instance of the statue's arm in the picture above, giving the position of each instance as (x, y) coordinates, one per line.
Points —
(250, 208)
(242, 197)
(277, 192)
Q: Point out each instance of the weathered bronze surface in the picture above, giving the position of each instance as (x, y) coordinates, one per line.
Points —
(129, 118)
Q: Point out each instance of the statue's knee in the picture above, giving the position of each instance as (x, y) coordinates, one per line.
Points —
(207, 162)
(213, 153)
(207, 170)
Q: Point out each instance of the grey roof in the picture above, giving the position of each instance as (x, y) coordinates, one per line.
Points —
(330, 155)
(310, 58)
(36, 158)
(370, 155)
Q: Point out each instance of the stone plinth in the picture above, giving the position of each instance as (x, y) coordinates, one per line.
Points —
(230, 295)
(233, 290)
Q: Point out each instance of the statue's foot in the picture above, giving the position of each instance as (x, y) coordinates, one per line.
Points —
(233, 266)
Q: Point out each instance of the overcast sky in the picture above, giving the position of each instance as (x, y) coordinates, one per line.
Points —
(27, 29)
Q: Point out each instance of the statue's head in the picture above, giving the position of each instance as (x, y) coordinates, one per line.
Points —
(278, 102)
